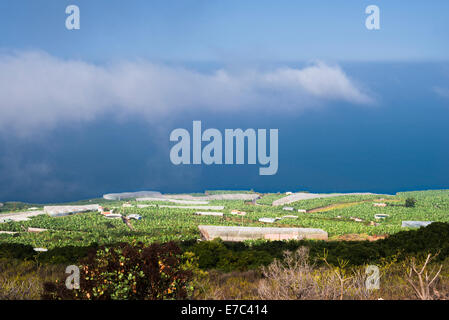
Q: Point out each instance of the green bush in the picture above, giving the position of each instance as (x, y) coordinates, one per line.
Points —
(227, 257)
(65, 255)
(61, 255)
(410, 202)
(131, 272)
(16, 251)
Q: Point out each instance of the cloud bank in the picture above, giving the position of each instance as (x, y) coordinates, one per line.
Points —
(40, 91)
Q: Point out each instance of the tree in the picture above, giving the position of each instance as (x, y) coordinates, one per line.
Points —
(410, 202)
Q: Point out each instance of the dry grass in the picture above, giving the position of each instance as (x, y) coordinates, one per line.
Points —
(233, 286)
(295, 277)
(22, 280)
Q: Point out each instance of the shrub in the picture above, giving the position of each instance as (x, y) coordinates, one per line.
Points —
(16, 251)
(216, 254)
(410, 202)
(129, 271)
(209, 253)
(65, 255)
(296, 278)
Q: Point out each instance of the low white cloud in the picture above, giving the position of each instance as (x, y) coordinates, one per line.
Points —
(39, 91)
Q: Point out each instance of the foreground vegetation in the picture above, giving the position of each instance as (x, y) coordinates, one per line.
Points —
(215, 270)
(220, 270)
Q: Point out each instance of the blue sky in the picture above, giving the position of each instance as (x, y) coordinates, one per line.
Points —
(203, 30)
(89, 111)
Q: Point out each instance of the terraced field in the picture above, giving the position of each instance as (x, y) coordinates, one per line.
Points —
(344, 215)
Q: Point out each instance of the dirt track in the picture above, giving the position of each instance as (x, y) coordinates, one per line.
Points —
(20, 216)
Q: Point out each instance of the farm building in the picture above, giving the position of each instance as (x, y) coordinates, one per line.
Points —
(59, 211)
(130, 195)
(306, 196)
(415, 224)
(227, 233)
